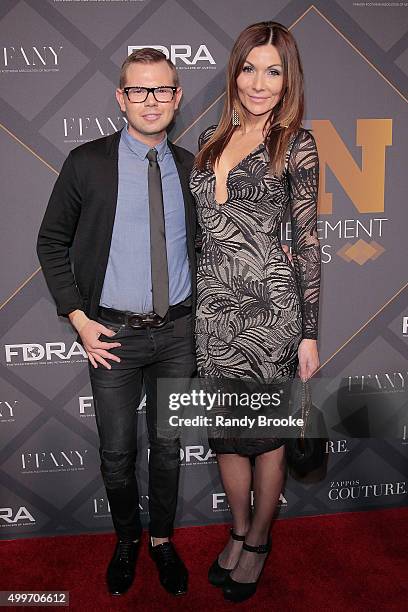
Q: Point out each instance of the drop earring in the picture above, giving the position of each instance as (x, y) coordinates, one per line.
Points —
(235, 118)
(284, 125)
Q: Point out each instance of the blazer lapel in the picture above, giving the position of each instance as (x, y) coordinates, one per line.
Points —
(110, 182)
(108, 176)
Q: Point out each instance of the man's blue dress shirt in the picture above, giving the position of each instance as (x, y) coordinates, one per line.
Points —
(127, 285)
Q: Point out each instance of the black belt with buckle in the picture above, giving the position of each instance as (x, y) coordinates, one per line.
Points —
(138, 320)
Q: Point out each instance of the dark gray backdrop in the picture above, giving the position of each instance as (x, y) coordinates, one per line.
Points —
(59, 65)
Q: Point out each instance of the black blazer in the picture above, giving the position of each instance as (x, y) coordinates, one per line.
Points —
(81, 213)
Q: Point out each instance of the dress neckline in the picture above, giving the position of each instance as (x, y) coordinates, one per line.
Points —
(252, 152)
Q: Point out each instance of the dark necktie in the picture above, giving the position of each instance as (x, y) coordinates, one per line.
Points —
(158, 254)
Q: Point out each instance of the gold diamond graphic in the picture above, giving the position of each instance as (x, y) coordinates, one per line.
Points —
(379, 248)
(361, 251)
(343, 252)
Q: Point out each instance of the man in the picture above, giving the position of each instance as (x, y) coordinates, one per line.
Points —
(126, 202)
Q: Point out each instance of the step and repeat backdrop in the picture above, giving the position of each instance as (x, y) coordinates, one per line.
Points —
(59, 66)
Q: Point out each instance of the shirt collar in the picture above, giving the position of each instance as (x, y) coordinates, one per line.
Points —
(140, 149)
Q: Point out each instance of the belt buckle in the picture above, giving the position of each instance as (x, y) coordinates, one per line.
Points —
(135, 321)
(151, 319)
(157, 321)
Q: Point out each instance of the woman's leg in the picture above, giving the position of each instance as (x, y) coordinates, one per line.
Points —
(236, 476)
(269, 476)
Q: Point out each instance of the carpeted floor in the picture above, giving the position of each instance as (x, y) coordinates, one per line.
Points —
(345, 562)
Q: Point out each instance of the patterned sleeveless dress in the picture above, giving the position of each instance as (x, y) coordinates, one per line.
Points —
(254, 306)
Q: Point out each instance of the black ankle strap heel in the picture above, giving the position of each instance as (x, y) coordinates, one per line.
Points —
(240, 591)
(261, 549)
(234, 536)
(217, 575)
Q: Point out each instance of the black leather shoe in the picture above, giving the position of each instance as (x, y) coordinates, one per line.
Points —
(240, 591)
(217, 574)
(172, 571)
(121, 569)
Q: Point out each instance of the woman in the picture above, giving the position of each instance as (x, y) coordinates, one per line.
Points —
(256, 313)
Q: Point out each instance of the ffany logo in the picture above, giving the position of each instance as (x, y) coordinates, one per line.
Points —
(51, 352)
(101, 507)
(53, 461)
(19, 517)
(83, 129)
(386, 382)
(7, 411)
(30, 59)
(184, 57)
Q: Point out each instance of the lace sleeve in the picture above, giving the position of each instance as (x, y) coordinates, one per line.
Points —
(303, 168)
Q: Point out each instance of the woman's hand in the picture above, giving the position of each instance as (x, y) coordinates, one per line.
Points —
(308, 358)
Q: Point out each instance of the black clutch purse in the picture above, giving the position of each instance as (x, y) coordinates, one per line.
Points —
(306, 454)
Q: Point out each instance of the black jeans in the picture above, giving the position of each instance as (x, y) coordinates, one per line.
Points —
(146, 355)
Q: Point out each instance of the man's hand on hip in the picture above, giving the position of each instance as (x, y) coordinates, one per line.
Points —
(89, 330)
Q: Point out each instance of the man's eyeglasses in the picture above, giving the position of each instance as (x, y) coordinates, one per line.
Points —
(163, 93)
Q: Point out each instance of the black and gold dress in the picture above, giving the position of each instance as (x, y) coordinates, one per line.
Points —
(253, 306)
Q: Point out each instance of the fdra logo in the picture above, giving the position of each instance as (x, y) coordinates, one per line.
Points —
(220, 503)
(197, 455)
(47, 354)
(53, 461)
(87, 408)
(44, 58)
(12, 517)
(7, 411)
(184, 57)
(83, 129)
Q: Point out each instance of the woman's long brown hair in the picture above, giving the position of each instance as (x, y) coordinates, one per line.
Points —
(286, 116)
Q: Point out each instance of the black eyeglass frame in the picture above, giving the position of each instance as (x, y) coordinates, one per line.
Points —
(148, 91)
